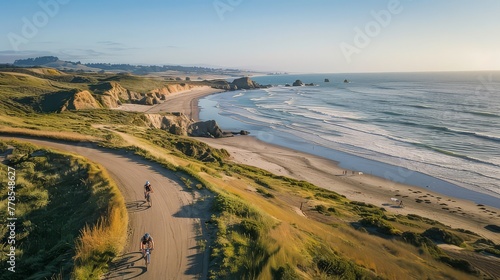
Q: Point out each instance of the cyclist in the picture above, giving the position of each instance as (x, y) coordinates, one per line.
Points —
(146, 242)
(147, 189)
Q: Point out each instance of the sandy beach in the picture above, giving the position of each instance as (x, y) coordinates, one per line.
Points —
(185, 102)
(453, 212)
(366, 188)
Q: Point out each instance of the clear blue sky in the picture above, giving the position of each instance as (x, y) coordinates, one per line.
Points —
(293, 35)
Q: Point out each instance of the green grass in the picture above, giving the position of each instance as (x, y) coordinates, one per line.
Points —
(256, 235)
(144, 84)
(58, 195)
(242, 248)
(240, 226)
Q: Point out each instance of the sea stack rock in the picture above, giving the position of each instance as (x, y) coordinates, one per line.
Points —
(245, 83)
(205, 129)
(346, 81)
(298, 83)
(327, 81)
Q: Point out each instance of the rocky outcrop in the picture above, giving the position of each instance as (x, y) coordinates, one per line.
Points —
(174, 88)
(112, 94)
(180, 124)
(327, 80)
(174, 123)
(205, 129)
(245, 83)
(346, 81)
(149, 100)
(240, 83)
(220, 84)
(298, 83)
(242, 132)
(80, 101)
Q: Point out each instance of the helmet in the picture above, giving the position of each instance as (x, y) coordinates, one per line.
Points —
(147, 182)
(146, 235)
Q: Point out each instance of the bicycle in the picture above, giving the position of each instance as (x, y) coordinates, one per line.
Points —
(149, 199)
(147, 257)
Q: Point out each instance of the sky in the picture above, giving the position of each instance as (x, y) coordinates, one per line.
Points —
(315, 36)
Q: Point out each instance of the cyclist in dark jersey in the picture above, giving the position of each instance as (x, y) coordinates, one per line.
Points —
(147, 189)
(146, 242)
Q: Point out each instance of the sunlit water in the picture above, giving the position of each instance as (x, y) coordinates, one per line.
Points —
(446, 125)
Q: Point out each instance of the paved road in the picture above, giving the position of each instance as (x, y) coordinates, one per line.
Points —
(173, 221)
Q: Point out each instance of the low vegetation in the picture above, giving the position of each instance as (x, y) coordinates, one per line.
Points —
(264, 226)
(64, 207)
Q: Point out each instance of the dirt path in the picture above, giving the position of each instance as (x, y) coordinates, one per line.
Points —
(174, 220)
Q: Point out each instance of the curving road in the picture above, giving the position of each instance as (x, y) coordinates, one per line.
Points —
(173, 221)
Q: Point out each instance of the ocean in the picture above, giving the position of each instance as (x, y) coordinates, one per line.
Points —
(436, 130)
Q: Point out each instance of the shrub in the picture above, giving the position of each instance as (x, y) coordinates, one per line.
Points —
(285, 273)
(381, 225)
(423, 242)
(252, 228)
(233, 205)
(332, 210)
(441, 235)
(3, 147)
(320, 208)
(265, 193)
(337, 266)
(462, 265)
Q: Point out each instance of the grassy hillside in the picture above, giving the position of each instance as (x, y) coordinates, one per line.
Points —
(257, 230)
(57, 197)
(25, 90)
(258, 233)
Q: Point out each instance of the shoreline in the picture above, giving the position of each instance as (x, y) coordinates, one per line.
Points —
(327, 174)
(359, 163)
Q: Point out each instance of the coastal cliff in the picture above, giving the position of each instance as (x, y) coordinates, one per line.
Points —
(180, 124)
(113, 94)
(80, 101)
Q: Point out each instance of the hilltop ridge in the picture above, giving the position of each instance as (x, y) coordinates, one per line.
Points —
(55, 62)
